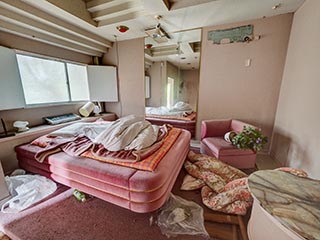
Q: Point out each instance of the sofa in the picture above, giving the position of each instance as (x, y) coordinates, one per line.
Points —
(214, 144)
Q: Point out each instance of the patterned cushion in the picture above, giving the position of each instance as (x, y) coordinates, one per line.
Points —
(234, 201)
(191, 183)
(226, 187)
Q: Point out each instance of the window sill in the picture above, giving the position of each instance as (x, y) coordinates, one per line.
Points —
(44, 129)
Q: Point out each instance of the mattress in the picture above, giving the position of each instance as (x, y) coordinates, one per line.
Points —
(189, 125)
(137, 190)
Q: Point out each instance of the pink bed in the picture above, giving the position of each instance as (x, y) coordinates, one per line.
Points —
(137, 190)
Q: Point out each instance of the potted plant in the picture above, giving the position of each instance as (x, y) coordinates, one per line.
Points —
(250, 138)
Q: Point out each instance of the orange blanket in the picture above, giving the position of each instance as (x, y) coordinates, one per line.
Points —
(150, 163)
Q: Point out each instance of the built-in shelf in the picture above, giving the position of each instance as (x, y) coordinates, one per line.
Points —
(45, 128)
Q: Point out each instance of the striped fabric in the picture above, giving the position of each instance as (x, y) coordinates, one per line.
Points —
(150, 163)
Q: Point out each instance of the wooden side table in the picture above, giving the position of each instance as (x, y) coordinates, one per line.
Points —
(236, 222)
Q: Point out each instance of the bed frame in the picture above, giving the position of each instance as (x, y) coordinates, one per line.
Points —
(189, 125)
(137, 190)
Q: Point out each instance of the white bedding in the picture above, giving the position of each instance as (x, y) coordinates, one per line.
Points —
(178, 110)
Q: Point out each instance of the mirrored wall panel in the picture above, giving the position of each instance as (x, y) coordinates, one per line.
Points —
(172, 75)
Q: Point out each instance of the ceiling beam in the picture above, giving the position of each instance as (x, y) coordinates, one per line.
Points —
(156, 6)
(25, 9)
(122, 18)
(148, 61)
(38, 36)
(98, 5)
(116, 11)
(48, 29)
(186, 48)
(189, 3)
(77, 8)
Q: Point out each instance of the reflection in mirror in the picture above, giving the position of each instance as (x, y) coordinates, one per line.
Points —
(172, 77)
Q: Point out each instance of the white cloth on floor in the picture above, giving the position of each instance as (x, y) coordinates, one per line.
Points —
(26, 190)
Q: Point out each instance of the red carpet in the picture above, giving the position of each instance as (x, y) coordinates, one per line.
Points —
(63, 217)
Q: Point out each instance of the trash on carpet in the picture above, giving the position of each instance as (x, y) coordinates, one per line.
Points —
(26, 190)
(80, 196)
(179, 216)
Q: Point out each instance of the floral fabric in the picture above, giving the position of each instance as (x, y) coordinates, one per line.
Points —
(191, 183)
(234, 201)
(225, 187)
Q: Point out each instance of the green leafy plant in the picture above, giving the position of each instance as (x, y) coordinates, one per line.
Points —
(250, 138)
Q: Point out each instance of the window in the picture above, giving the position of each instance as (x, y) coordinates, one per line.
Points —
(50, 81)
(170, 92)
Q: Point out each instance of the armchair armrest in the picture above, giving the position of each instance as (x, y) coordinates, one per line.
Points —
(215, 128)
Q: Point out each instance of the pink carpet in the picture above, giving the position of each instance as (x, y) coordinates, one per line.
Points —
(63, 217)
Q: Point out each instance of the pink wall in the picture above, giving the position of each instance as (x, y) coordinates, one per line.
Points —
(228, 89)
(131, 76)
(296, 134)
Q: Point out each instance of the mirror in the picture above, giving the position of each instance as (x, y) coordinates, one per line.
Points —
(172, 75)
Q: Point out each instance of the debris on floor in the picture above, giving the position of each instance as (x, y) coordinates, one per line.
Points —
(180, 216)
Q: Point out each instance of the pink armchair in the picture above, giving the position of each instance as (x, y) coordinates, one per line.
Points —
(213, 143)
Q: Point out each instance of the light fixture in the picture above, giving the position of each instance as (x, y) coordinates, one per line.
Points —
(122, 28)
(157, 33)
(148, 46)
(276, 6)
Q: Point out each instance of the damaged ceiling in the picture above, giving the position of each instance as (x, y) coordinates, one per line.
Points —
(89, 26)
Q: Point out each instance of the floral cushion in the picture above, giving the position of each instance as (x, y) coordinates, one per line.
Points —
(191, 183)
(212, 171)
(234, 201)
(236, 183)
(225, 187)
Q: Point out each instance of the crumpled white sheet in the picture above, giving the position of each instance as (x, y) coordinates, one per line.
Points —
(26, 190)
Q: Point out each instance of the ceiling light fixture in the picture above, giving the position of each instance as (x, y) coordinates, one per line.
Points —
(157, 33)
(122, 28)
(276, 6)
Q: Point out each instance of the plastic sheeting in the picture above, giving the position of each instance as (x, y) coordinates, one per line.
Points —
(179, 216)
(26, 190)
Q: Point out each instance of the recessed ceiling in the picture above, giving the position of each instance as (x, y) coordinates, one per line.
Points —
(89, 26)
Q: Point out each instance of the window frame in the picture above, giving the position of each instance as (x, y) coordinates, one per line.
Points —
(65, 62)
